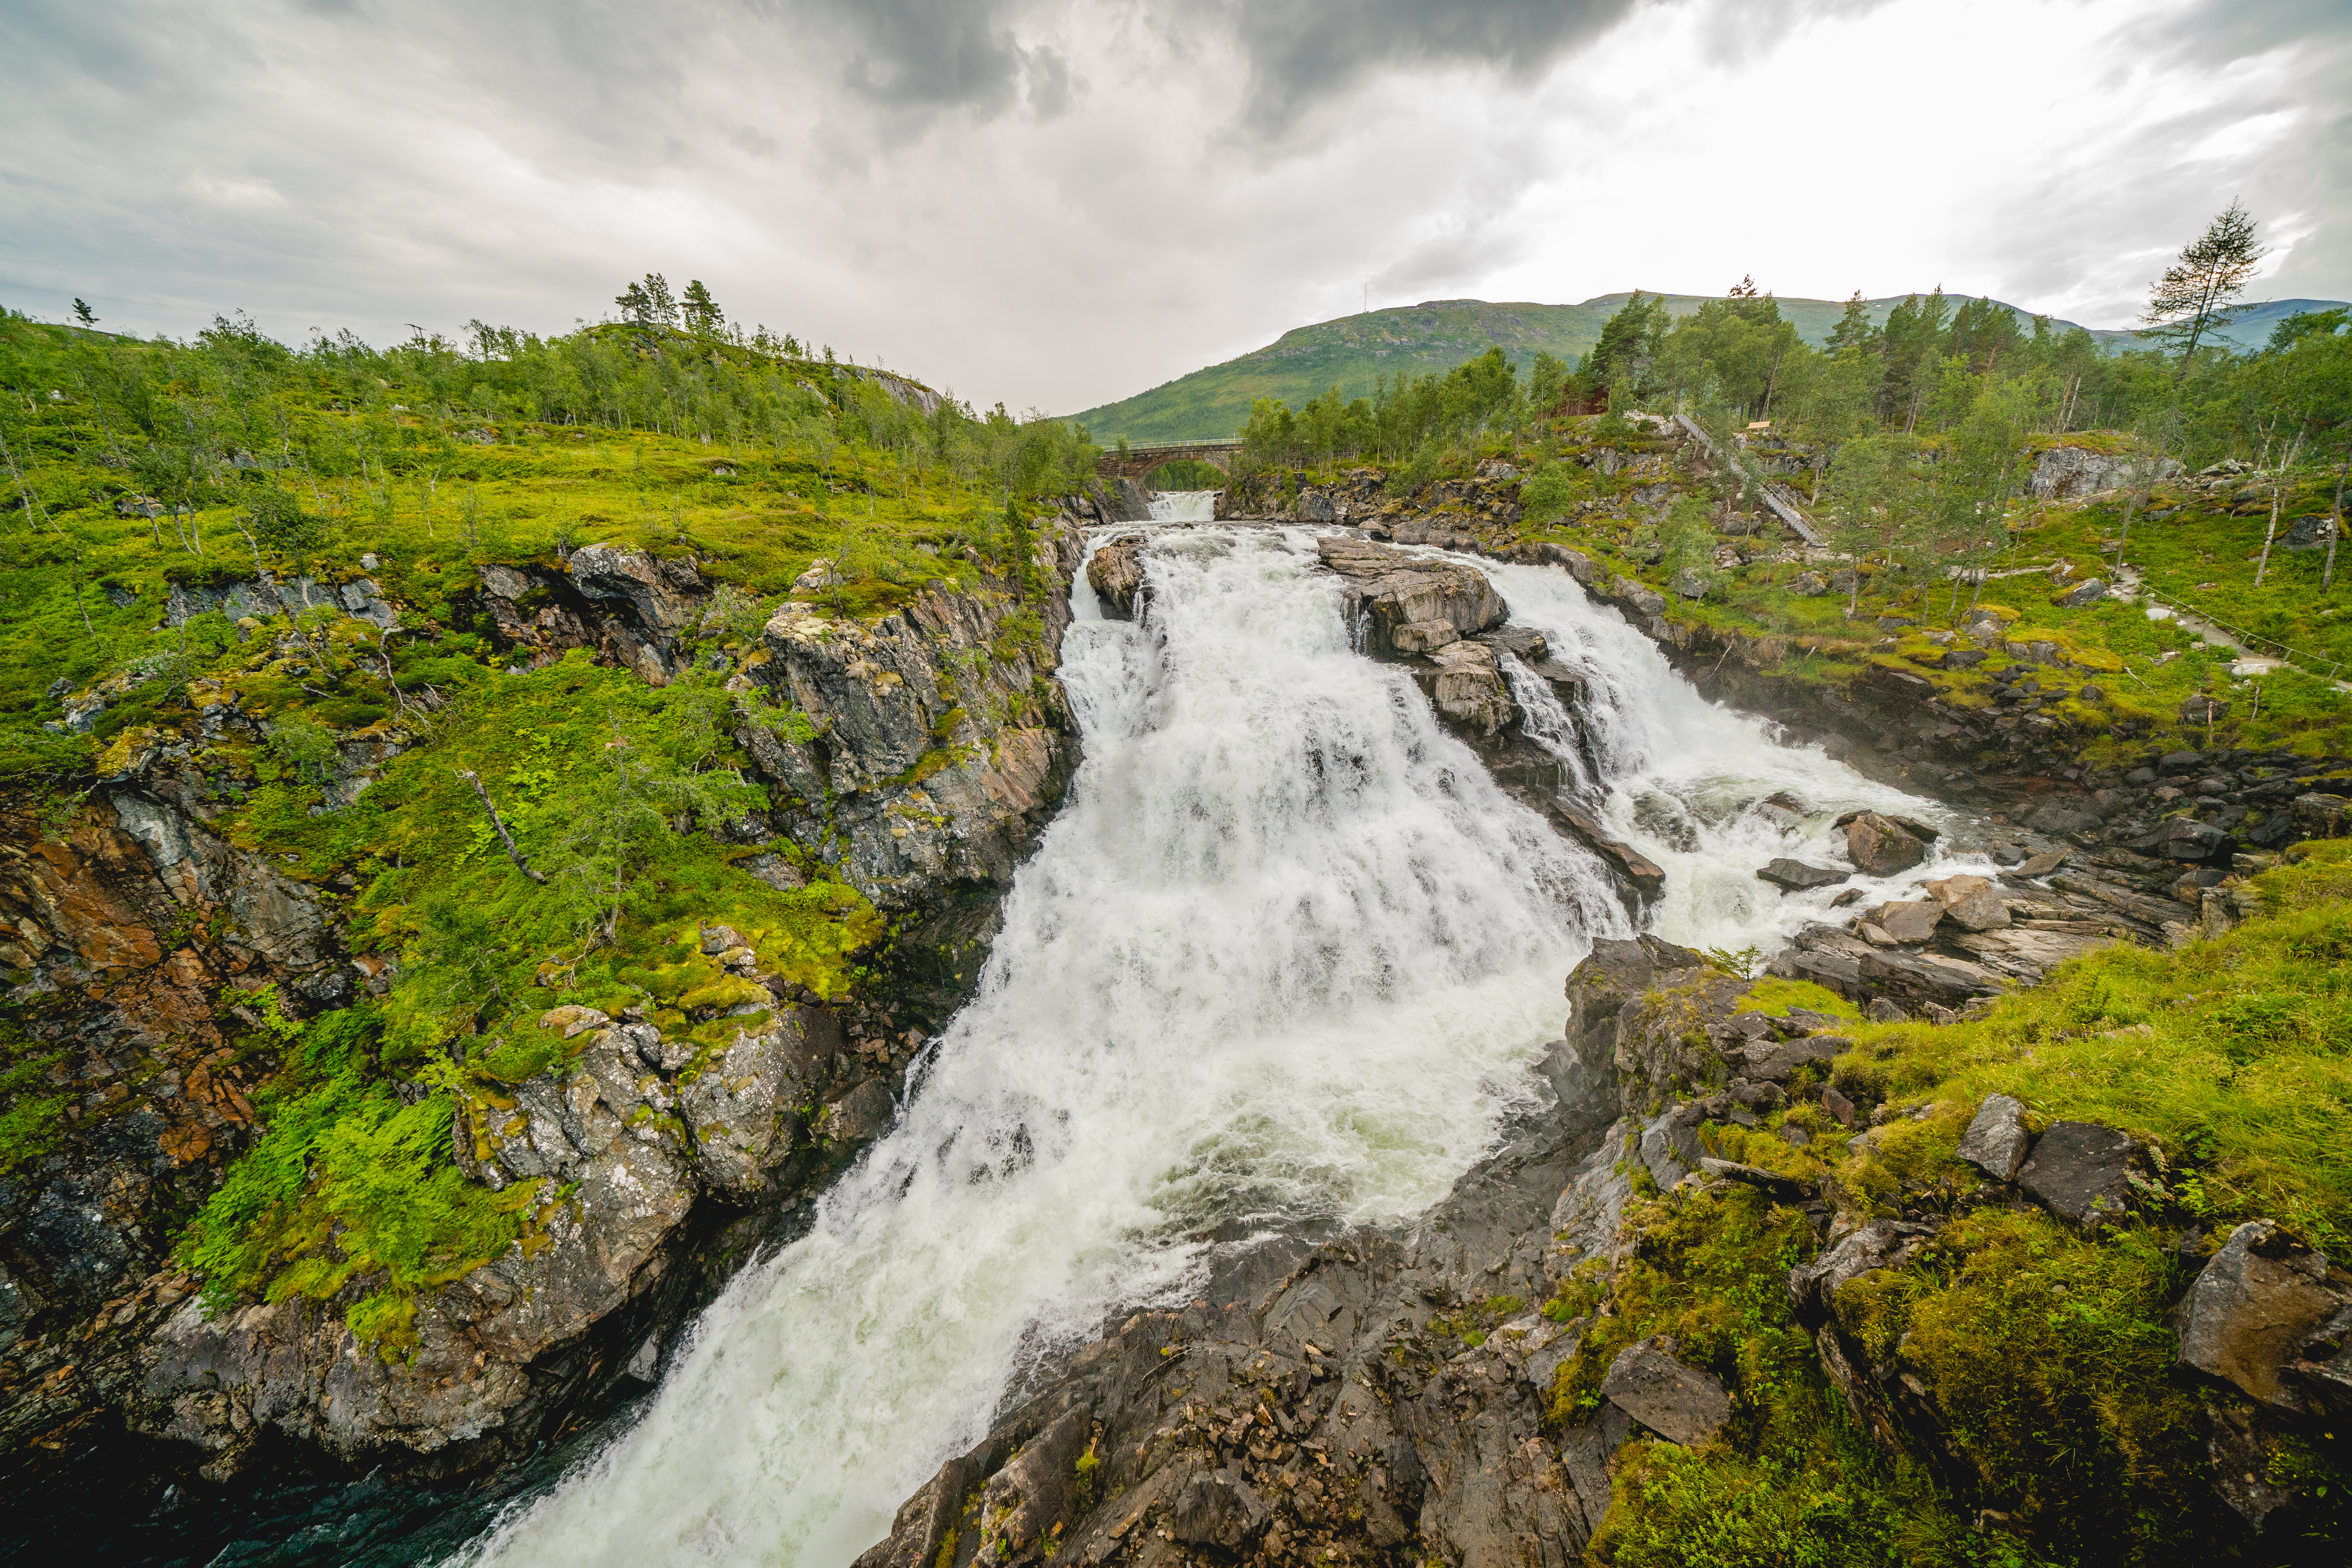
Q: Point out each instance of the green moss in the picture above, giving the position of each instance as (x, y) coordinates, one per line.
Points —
(2049, 1359)
(347, 1181)
(1774, 996)
(32, 1111)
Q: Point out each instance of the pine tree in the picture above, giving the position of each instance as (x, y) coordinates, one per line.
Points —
(84, 314)
(702, 311)
(1629, 343)
(1854, 329)
(2198, 293)
(648, 303)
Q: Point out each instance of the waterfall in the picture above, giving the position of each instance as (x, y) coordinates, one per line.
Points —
(1702, 791)
(1286, 951)
(1183, 506)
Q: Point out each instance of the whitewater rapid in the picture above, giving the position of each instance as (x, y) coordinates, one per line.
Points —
(1707, 793)
(1288, 952)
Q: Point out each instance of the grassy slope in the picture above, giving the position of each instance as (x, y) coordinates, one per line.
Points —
(1353, 352)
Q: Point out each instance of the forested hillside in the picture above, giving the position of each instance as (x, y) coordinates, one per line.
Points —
(1357, 354)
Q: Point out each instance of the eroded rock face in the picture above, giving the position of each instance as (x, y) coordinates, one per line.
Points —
(621, 1144)
(935, 748)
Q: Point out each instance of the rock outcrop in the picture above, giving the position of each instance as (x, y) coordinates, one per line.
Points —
(1314, 1403)
(1115, 572)
(928, 748)
(1393, 591)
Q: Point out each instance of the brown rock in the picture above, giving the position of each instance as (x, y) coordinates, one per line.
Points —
(1879, 847)
(1911, 923)
(1116, 574)
(2253, 1308)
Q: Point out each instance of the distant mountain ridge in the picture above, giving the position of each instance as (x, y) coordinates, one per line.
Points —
(1353, 352)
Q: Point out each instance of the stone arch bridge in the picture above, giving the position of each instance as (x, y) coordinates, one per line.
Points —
(1135, 462)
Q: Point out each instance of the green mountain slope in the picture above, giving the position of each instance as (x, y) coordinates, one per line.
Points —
(1354, 352)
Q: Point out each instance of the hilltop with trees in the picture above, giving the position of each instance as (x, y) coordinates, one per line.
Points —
(1355, 354)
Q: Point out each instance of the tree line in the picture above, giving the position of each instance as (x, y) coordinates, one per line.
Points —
(1932, 367)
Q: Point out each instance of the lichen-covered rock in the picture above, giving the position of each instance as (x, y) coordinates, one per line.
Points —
(933, 743)
(745, 1104)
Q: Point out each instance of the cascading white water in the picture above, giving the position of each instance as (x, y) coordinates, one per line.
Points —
(1286, 951)
(1692, 784)
(1183, 506)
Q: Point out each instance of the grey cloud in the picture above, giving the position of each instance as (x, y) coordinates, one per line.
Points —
(914, 60)
(1302, 53)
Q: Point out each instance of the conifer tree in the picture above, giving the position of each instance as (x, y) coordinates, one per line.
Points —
(1854, 329)
(84, 314)
(2199, 293)
(702, 311)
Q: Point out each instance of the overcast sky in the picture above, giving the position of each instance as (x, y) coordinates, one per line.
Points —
(1056, 204)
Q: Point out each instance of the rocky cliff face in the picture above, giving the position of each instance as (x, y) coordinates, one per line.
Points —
(923, 752)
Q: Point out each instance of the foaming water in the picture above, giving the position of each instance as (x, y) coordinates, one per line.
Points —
(1706, 793)
(1288, 952)
(1183, 506)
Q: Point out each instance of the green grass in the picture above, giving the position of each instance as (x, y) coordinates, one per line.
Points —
(2048, 1355)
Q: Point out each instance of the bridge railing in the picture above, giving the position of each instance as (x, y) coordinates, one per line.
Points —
(1142, 448)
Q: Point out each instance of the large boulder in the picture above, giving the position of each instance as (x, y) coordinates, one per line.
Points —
(2268, 1314)
(1910, 923)
(1395, 590)
(1971, 902)
(2072, 473)
(1881, 846)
